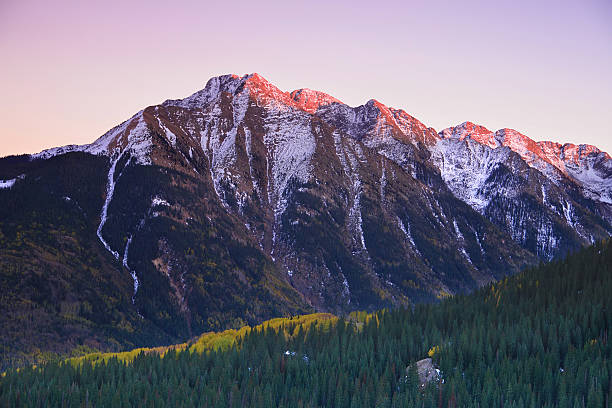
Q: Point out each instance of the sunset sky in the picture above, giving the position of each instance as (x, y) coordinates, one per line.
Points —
(70, 70)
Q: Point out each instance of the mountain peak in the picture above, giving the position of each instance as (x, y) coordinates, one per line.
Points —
(377, 118)
(472, 131)
(311, 100)
(585, 164)
(264, 89)
(265, 93)
(519, 143)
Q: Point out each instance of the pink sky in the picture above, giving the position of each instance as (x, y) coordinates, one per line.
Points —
(71, 70)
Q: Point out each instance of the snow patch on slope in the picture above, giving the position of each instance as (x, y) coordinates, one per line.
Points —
(110, 190)
(159, 201)
(383, 181)
(465, 167)
(289, 140)
(546, 240)
(477, 240)
(139, 144)
(594, 173)
(222, 147)
(405, 228)
(568, 212)
(457, 231)
(169, 135)
(249, 150)
(137, 141)
(132, 272)
(461, 241)
(350, 166)
(6, 184)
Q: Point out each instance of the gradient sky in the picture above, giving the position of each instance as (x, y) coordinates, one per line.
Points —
(70, 70)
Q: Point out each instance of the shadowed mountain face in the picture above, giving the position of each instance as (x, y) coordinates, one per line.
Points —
(243, 202)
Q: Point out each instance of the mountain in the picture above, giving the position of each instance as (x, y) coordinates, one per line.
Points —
(550, 198)
(242, 202)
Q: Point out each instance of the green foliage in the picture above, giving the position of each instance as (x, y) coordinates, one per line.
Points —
(62, 292)
(537, 339)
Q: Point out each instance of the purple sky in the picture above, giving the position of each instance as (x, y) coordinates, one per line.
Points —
(70, 70)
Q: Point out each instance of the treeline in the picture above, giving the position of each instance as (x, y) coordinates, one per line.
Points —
(539, 339)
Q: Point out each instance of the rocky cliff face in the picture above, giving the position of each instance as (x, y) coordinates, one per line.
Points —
(243, 202)
(539, 193)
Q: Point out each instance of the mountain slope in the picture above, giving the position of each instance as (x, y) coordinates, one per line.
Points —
(539, 338)
(63, 290)
(527, 190)
(243, 202)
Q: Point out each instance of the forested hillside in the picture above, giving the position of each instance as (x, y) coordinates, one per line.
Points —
(538, 339)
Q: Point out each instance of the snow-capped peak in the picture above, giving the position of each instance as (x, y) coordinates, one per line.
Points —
(473, 131)
(553, 153)
(585, 164)
(267, 94)
(224, 83)
(384, 128)
(261, 91)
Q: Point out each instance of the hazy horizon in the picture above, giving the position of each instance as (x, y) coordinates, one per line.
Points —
(72, 71)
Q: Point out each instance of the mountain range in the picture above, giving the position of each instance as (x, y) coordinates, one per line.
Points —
(243, 202)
